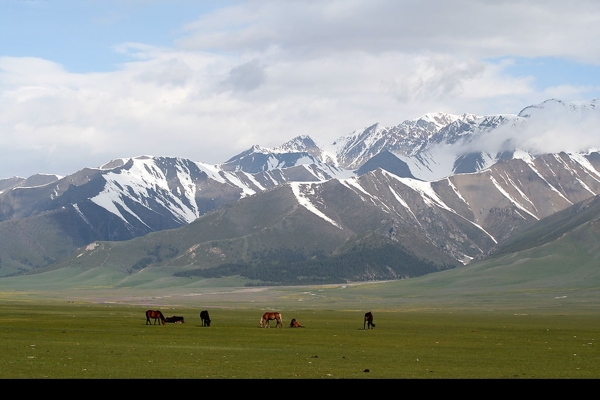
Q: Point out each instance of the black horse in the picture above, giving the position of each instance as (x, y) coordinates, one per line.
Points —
(205, 318)
(368, 324)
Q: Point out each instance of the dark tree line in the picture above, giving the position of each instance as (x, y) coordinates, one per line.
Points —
(293, 267)
(155, 256)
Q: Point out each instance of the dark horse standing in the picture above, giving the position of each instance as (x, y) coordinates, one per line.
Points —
(156, 314)
(205, 318)
(368, 324)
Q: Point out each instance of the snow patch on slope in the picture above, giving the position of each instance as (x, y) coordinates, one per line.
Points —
(431, 198)
(404, 204)
(508, 196)
(302, 191)
(135, 184)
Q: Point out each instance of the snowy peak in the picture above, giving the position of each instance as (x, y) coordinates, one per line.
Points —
(32, 181)
(414, 137)
(258, 160)
(300, 158)
(553, 107)
(298, 144)
(434, 146)
(437, 145)
(439, 120)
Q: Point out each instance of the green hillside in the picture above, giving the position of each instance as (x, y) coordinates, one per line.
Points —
(565, 271)
(268, 240)
(582, 216)
(557, 260)
(36, 241)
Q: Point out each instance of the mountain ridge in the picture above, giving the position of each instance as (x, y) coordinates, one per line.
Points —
(478, 199)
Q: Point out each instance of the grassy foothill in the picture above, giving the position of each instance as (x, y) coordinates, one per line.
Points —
(52, 339)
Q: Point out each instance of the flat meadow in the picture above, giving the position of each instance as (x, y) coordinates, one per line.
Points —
(78, 339)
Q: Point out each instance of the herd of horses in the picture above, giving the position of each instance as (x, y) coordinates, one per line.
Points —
(263, 323)
(157, 314)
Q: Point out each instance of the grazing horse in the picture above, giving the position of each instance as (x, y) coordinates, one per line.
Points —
(269, 316)
(368, 324)
(175, 319)
(156, 314)
(205, 318)
(295, 324)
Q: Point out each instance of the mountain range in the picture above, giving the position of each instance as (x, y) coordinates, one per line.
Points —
(429, 194)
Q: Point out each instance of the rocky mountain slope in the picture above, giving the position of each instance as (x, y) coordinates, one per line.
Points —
(374, 183)
(311, 232)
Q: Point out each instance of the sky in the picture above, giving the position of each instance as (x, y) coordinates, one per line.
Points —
(83, 82)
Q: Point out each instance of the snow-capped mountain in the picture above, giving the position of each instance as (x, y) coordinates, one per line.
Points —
(148, 193)
(408, 138)
(374, 226)
(299, 151)
(434, 146)
(439, 145)
(555, 107)
(455, 183)
(124, 199)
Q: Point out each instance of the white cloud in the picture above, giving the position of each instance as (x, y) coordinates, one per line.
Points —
(551, 128)
(247, 76)
(262, 72)
(482, 28)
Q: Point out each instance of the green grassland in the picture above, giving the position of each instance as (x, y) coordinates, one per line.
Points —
(530, 314)
(51, 339)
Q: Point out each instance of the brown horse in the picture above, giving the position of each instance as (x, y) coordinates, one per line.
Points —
(269, 316)
(368, 324)
(156, 314)
(295, 324)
